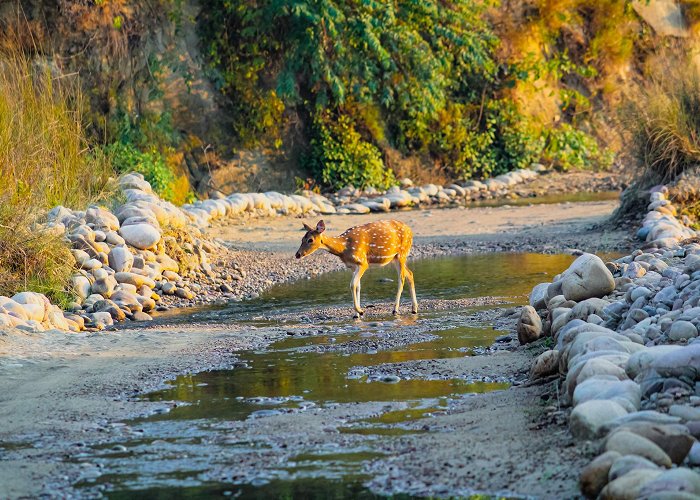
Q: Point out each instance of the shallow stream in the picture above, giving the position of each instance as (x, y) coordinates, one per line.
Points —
(226, 434)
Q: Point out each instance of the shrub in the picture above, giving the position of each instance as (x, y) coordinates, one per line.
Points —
(126, 157)
(663, 118)
(339, 156)
(45, 160)
(569, 148)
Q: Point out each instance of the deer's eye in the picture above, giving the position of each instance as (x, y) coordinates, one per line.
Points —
(310, 240)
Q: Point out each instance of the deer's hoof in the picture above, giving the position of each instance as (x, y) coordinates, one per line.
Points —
(358, 314)
(414, 311)
(395, 312)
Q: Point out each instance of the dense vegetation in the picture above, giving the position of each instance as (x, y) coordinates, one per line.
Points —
(421, 77)
(44, 161)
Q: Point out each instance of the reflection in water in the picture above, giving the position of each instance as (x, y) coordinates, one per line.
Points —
(308, 489)
(466, 276)
(293, 375)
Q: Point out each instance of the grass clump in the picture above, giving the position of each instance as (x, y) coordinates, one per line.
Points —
(663, 119)
(45, 160)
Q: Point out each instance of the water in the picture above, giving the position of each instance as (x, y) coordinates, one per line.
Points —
(189, 452)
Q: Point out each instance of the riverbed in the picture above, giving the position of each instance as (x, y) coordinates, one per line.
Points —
(238, 430)
(106, 413)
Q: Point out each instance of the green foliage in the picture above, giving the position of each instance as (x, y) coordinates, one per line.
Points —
(339, 156)
(146, 146)
(422, 77)
(569, 148)
(126, 157)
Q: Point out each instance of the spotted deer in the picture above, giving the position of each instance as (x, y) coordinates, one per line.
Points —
(375, 243)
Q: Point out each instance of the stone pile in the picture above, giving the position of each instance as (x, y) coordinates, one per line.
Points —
(126, 261)
(627, 350)
(350, 200)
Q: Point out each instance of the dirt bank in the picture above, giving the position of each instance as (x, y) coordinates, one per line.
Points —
(62, 392)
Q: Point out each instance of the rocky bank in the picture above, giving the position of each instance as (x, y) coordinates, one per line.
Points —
(626, 353)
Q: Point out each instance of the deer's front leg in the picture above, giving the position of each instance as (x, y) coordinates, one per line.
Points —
(355, 286)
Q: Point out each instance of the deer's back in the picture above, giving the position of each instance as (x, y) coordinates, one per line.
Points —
(379, 242)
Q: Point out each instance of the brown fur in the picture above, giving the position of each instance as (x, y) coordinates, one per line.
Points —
(374, 243)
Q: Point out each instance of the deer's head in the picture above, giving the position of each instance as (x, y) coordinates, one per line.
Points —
(311, 240)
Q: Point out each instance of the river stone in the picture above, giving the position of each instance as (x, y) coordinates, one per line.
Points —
(624, 392)
(685, 413)
(587, 277)
(121, 259)
(109, 307)
(141, 316)
(529, 325)
(101, 218)
(104, 286)
(538, 296)
(134, 279)
(80, 285)
(624, 464)
(674, 439)
(628, 486)
(599, 366)
(594, 476)
(674, 480)
(142, 236)
(684, 362)
(628, 443)
(642, 360)
(682, 330)
(587, 419)
(585, 308)
(101, 320)
(545, 365)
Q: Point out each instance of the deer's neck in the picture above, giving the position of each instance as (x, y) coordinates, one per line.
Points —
(333, 244)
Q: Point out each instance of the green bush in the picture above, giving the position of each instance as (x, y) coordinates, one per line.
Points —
(569, 148)
(339, 156)
(126, 157)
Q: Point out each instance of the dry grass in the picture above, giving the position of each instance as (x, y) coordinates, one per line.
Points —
(664, 121)
(44, 161)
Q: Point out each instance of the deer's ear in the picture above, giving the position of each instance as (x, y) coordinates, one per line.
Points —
(321, 226)
(307, 227)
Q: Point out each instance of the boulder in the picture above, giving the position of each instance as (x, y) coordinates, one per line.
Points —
(682, 330)
(628, 463)
(674, 439)
(529, 325)
(538, 296)
(142, 236)
(625, 392)
(628, 443)
(587, 419)
(628, 487)
(587, 277)
(121, 259)
(679, 480)
(545, 365)
(594, 476)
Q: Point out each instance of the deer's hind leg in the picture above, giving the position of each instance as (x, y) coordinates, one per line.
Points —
(401, 276)
(409, 275)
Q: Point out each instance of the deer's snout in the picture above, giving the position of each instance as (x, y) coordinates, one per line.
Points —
(298, 255)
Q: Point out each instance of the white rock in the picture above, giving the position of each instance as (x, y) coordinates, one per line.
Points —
(121, 259)
(587, 277)
(142, 236)
(587, 419)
